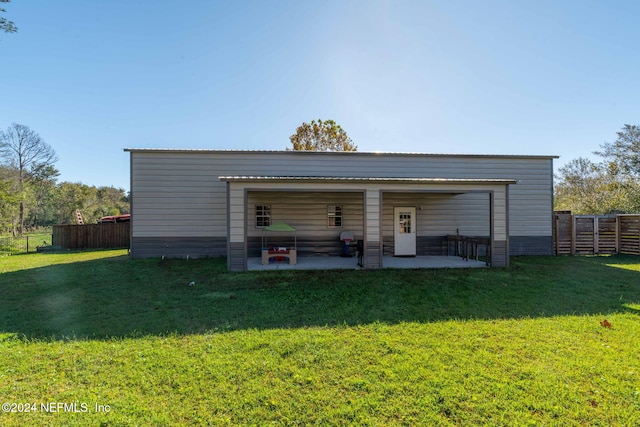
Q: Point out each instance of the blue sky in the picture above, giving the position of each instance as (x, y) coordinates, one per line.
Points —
(491, 77)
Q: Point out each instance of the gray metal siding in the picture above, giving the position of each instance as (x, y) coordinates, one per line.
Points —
(426, 245)
(178, 247)
(499, 254)
(371, 256)
(236, 260)
(531, 245)
(178, 194)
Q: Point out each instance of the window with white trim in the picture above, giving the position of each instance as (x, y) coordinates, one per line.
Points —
(334, 216)
(263, 215)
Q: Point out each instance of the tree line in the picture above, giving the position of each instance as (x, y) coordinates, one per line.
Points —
(32, 197)
(610, 185)
(30, 194)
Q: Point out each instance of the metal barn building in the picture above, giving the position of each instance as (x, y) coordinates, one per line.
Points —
(201, 203)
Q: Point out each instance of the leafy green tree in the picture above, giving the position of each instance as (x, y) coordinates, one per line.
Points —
(623, 155)
(322, 135)
(93, 203)
(585, 187)
(6, 25)
(609, 186)
(8, 202)
(70, 196)
(578, 188)
(30, 195)
(41, 190)
(111, 201)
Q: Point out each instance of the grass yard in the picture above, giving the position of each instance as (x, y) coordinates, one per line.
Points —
(98, 339)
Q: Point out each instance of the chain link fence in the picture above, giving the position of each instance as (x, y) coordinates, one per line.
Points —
(10, 245)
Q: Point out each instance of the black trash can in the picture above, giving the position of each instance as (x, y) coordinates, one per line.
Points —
(360, 250)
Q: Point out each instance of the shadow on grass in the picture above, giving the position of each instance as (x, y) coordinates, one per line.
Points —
(120, 297)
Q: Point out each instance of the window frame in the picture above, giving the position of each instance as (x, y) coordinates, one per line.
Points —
(335, 216)
(263, 216)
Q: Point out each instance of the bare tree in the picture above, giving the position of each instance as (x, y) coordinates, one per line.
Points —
(27, 155)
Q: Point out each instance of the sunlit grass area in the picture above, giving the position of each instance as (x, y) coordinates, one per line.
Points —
(151, 342)
(632, 267)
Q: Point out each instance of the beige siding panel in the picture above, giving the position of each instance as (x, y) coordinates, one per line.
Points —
(170, 231)
(177, 199)
(500, 214)
(183, 185)
(212, 164)
(236, 215)
(441, 214)
(372, 197)
(307, 211)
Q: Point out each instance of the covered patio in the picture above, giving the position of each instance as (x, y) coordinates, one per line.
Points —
(405, 217)
(339, 263)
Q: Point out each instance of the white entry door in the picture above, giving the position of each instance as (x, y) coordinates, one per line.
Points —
(404, 234)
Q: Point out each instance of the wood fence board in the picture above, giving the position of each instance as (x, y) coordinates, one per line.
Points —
(630, 234)
(563, 234)
(92, 236)
(607, 235)
(596, 234)
(584, 235)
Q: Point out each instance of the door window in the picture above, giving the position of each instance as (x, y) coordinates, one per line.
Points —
(404, 222)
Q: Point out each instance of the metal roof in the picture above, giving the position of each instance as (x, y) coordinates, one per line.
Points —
(331, 153)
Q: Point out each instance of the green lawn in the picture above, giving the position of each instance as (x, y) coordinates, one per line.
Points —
(517, 346)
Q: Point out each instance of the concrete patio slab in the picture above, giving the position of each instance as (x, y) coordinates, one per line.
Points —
(338, 263)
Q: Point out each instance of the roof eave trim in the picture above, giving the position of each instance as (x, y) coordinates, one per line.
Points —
(415, 180)
(333, 153)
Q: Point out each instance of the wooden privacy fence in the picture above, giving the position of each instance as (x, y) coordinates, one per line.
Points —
(596, 234)
(92, 236)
